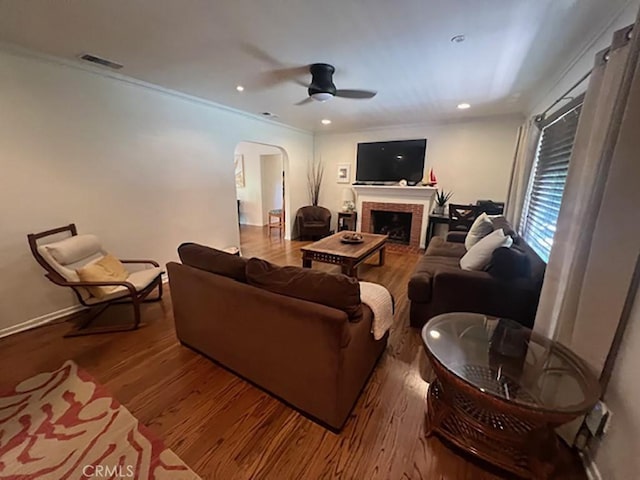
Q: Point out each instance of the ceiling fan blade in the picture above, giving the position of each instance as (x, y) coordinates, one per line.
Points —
(305, 101)
(275, 77)
(278, 72)
(357, 94)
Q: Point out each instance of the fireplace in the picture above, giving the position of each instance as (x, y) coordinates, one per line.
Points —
(401, 221)
(395, 224)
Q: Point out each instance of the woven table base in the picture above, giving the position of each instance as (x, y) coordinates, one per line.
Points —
(501, 439)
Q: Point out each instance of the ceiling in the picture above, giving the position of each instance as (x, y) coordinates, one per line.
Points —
(401, 48)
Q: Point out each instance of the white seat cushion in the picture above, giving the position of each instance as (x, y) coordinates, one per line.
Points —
(481, 227)
(479, 256)
(140, 280)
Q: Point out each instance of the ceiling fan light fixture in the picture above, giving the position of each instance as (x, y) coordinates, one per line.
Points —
(321, 96)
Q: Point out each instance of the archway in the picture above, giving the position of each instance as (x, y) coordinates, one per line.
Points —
(261, 184)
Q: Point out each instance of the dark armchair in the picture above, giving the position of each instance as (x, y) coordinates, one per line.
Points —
(313, 222)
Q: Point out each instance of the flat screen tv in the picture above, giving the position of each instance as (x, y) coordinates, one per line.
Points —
(382, 162)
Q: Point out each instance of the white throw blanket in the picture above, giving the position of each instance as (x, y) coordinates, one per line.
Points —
(380, 302)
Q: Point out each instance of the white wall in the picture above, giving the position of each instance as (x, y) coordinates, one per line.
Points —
(251, 195)
(472, 158)
(550, 91)
(271, 184)
(617, 458)
(142, 168)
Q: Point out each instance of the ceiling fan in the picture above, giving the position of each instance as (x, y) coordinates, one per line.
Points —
(322, 87)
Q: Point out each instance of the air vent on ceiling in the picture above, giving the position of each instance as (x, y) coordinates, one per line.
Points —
(269, 115)
(101, 61)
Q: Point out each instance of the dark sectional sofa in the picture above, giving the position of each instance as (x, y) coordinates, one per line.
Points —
(509, 288)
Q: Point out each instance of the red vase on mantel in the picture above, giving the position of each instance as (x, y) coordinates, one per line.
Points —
(431, 179)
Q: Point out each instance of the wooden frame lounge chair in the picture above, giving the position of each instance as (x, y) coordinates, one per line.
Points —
(61, 258)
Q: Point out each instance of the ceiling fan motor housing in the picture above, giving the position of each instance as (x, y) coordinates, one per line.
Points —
(321, 80)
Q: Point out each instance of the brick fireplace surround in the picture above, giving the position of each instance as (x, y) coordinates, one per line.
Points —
(417, 211)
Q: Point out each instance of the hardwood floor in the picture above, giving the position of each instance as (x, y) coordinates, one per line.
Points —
(224, 428)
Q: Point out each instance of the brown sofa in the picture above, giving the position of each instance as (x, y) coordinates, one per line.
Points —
(316, 357)
(509, 288)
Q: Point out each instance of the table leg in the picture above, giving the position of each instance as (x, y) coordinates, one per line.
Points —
(429, 231)
(437, 411)
(382, 256)
(349, 270)
(543, 452)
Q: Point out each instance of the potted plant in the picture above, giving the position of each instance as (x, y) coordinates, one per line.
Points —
(442, 198)
(314, 181)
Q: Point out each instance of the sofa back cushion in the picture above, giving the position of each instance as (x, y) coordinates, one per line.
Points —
(500, 222)
(537, 266)
(213, 260)
(336, 291)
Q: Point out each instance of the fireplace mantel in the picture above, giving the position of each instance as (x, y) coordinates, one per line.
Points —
(395, 191)
(398, 195)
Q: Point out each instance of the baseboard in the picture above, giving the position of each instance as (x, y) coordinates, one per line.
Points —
(50, 317)
(41, 320)
(590, 467)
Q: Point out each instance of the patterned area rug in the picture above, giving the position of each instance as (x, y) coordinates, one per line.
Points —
(64, 425)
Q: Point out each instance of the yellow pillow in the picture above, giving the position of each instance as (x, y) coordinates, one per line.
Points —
(107, 269)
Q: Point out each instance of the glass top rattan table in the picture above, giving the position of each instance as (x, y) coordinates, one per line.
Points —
(501, 389)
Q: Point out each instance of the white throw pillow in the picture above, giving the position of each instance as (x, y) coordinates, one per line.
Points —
(479, 256)
(481, 227)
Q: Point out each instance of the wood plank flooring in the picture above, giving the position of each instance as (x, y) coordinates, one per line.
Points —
(224, 428)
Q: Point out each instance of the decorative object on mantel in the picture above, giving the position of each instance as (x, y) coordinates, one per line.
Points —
(352, 238)
(430, 180)
(348, 203)
(344, 173)
(314, 180)
(238, 162)
(442, 198)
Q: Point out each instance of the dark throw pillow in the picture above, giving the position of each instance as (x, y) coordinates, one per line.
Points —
(213, 260)
(336, 291)
(503, 223)
(509, 264)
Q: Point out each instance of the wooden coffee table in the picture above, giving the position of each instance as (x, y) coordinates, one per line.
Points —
(348, 255)
(501, 390)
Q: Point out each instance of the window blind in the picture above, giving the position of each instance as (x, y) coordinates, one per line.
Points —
(548, 177)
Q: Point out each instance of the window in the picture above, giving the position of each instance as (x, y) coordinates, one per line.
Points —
(548, 176)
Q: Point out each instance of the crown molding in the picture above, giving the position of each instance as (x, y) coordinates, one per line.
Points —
(16, 50)
(588, 45)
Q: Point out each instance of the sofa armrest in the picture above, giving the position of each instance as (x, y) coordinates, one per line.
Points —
(419, 288)
(456, 237)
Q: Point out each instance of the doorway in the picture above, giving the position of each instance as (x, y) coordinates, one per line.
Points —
(260, 186)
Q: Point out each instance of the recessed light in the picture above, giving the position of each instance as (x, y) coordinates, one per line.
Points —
(458, 39)
(463, 106)
(326, 121)
(240, 88)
